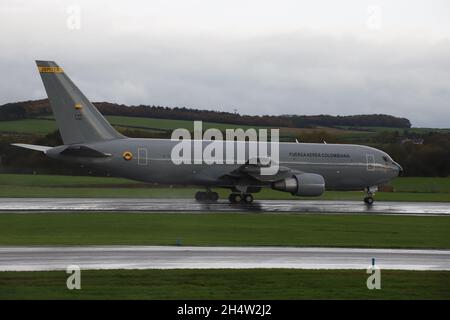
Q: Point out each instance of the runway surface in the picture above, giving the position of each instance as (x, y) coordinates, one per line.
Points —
(186, 205)
(159, 257)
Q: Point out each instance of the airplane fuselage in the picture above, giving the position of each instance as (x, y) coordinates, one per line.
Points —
(343, 166)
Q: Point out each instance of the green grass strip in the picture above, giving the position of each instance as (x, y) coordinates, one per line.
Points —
(226, 284)
(225, 229)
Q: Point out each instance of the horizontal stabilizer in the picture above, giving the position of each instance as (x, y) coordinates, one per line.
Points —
(32, 147)
(83, 151)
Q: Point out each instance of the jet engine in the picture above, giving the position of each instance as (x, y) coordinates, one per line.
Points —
(303, 184)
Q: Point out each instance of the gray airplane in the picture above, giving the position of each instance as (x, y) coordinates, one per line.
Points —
(304, 169)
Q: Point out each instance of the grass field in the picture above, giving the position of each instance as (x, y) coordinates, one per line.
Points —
(168, 124)
(45, 125)
(12, 185)
(217, 229)
(421, 184)
(225, 284)
(34, 126)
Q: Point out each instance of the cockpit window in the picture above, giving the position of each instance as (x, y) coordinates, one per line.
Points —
(385, 159)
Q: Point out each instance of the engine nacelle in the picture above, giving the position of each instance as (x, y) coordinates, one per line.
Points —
(304, 184)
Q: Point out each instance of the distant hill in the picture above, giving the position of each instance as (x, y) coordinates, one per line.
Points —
(37, 108)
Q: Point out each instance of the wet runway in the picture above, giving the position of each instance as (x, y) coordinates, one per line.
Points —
(159, 257)
(186, 205)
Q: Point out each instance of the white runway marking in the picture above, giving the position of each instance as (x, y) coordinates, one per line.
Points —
(161, 257)
(186, 205)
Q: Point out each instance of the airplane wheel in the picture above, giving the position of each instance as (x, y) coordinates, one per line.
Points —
(237, 198)
(200, 196)
(213, 196)
(232, 198)
(368, 200)
(248, 198)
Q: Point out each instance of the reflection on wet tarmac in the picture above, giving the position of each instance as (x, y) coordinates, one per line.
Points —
(159, 257)
(183, 205)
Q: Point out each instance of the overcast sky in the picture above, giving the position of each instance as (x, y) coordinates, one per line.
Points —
(258, 56)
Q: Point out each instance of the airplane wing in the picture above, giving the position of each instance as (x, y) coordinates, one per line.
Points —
(253, 172)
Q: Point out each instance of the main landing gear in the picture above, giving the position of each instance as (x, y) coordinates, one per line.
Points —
(370, 193)
(240, 198)
(207, 196)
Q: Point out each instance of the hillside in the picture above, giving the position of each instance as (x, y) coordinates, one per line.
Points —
(36, 108)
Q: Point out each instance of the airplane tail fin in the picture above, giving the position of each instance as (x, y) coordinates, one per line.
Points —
(77, 118)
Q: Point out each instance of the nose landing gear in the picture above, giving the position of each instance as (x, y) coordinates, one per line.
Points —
(368, 200)
(370, 193)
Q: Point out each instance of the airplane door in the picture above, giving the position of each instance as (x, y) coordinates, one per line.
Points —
(142, 156)
(370, 158)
